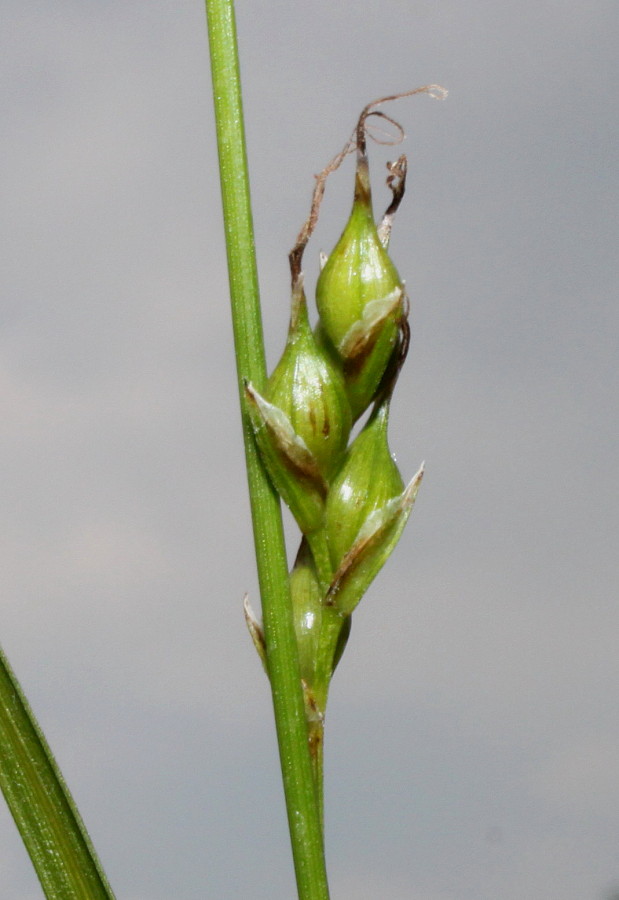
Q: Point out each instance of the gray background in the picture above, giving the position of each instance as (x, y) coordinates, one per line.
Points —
(473, 733)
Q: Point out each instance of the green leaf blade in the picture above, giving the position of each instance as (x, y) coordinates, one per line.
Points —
(41, 804)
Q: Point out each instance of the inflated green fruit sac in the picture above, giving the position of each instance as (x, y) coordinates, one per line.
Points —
(310, 390)
(366, 511)
(308, 613)
(292, 469)
(360, 299)
(368, 479)
(302, 421)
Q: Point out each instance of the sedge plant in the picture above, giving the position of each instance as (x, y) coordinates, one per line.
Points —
(347, 496)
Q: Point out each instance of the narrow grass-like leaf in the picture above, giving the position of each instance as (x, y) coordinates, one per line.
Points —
(40, 802)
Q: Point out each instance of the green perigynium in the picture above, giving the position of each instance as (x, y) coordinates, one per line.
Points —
(303, 420)
(309, 389)
(307, 609)
(292, 467)
(367, 480)
(360, 299)
(366, 511)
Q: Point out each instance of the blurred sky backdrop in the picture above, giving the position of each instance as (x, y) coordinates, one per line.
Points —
(473, 730)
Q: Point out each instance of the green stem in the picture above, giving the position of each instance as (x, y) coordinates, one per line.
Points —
(40, 802)
(281, 648)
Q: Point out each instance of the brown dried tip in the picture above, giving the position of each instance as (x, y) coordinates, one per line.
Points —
(357, 142)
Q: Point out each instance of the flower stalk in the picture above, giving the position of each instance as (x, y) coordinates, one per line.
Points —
(280, 640)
